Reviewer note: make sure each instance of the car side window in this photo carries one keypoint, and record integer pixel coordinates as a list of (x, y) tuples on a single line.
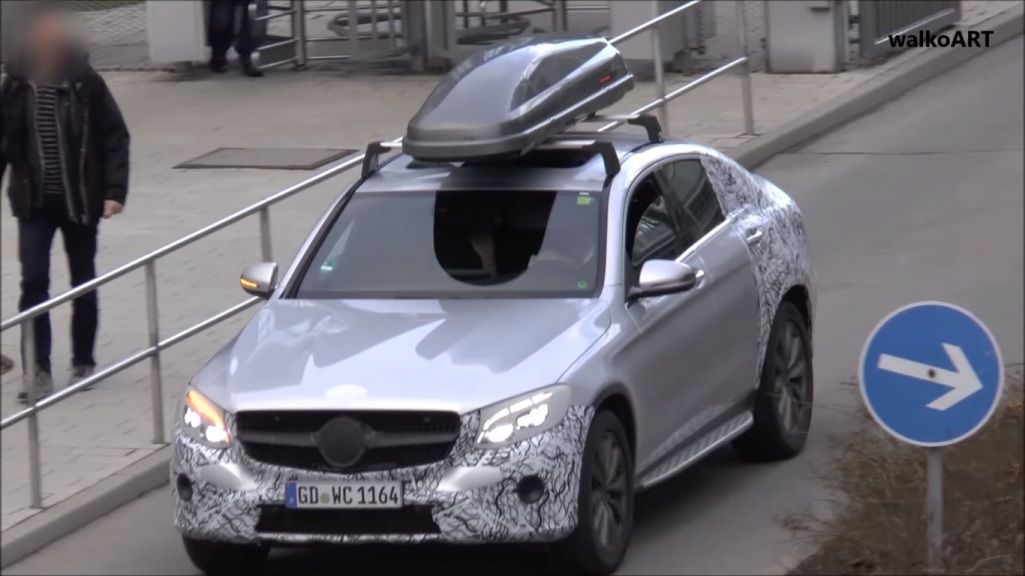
[(694, 201), (650, 230)]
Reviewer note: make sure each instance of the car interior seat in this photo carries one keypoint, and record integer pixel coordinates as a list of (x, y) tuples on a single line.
[(643, 197)]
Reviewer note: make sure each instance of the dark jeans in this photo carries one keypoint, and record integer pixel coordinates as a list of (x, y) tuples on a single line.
[(35, 240), (229, 21)]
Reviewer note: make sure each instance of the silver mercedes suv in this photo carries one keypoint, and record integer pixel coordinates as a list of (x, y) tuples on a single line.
[(502, 349)]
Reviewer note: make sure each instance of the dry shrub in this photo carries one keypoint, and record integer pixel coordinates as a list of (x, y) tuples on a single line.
[(878, 523)]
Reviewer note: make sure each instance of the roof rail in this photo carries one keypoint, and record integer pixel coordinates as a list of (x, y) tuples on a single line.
[(372, 157), (650, 123), (564, 141)]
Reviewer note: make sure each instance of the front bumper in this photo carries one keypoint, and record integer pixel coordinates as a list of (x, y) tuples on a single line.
[(471, 496)]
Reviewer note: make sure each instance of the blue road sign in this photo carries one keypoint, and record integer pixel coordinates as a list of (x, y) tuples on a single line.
[(931, 374)]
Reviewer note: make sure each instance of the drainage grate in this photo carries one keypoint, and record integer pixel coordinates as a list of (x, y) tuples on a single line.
[(268, 158)]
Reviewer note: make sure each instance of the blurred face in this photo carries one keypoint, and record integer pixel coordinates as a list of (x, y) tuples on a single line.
[(48, 36)]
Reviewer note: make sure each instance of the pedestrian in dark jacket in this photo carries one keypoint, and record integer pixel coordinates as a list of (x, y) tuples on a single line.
[(66, 144), (228, 21)]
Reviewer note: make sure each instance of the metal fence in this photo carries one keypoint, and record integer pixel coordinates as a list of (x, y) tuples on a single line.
[(878, 19), (365, 32), (388, 31), (116, 29)]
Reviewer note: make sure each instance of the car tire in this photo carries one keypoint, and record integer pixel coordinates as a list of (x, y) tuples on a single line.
[(787, 378), (224, 559), (600, 498)]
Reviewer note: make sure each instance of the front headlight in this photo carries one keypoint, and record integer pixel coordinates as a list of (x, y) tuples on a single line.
[(514, 420), (203, 421)]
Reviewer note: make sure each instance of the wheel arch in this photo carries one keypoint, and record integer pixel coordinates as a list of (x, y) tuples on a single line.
[(800, 297), (616, 399)]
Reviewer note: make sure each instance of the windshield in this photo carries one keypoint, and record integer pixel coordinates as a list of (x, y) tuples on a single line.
[(504, 244)]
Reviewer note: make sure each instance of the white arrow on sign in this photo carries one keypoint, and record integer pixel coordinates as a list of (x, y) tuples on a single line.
[(963, 380)]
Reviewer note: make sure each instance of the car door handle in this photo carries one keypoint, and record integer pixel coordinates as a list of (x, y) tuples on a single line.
[(754, 236)]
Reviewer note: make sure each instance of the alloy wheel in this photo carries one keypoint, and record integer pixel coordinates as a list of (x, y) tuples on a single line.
[(791, 376), (609, 492)]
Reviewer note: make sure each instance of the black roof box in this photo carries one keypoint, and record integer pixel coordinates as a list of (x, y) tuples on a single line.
[(510, 98)]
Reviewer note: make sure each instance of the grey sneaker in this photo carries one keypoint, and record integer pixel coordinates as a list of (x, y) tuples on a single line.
[(41, 388), (81, 372)]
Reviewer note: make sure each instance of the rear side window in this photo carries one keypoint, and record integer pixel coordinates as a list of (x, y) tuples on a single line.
[(696, 204)]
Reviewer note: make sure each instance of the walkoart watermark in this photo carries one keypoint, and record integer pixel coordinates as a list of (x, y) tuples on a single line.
[(926, 39)]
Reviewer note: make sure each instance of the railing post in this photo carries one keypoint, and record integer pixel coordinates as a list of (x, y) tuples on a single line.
[(559, 16), (265, 247), (35, 463), (656, 60), (745, 74), (299, 31), (352, 9), (156, 384)]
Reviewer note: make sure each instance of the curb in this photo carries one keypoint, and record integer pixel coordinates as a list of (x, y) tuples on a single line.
[(52, 524), (867, 97), (152, 472)]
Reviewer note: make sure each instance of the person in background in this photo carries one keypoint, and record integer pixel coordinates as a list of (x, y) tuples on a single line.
[(228, 21), (66, 144), (6, 364)]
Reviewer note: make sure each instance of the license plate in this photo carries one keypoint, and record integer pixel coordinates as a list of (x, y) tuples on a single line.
[(343, 495)]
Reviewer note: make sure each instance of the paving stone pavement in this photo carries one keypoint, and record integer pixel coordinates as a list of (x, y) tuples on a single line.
[(174, 118)]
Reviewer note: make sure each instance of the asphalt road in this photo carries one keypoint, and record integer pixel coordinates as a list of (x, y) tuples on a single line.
[(921, 200)]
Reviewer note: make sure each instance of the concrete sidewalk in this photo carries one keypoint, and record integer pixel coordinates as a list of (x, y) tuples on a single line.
[(100, 433)]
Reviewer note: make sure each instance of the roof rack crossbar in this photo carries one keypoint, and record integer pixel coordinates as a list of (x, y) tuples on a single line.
[(372, 157), (606, 149), (565, 141), (650, 123)]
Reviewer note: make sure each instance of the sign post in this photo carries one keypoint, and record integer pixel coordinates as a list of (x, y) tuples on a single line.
[(934, 510), (931, 375)]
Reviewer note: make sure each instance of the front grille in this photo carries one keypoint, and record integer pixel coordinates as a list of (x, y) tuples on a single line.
[(390, 421), (381, 459), (290, 438), (277, 519)]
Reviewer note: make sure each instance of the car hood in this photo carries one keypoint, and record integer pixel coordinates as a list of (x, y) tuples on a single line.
[(458, 355)]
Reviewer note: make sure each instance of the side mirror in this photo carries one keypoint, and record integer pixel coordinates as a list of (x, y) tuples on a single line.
[(259, 279), (662, 277)]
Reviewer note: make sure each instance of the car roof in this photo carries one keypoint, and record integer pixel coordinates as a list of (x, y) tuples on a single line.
[(540, 170)]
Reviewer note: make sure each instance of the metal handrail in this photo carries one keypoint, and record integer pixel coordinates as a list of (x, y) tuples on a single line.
[(24, 319), (653, 22), (148, 262), (260, 206), (676, 93)]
